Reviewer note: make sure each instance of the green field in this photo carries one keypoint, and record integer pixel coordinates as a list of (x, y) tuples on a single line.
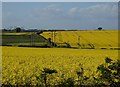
[(22, 39)]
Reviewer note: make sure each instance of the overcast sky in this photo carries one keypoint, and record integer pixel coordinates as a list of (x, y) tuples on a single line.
[(60, 15)]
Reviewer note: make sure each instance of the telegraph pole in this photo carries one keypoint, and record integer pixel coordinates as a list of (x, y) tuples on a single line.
[(54, 38), (32, 39), (78, 41)]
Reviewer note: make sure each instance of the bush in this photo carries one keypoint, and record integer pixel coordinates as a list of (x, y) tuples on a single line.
[(109, 73)]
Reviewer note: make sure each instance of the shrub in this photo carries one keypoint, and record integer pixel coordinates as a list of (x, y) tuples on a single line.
[(109, 73)]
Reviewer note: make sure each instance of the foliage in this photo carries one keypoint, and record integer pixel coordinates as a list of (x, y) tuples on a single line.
[(99, 28), (43, 77), (66, 83), (81, 77), (109, 73), (18, 29)]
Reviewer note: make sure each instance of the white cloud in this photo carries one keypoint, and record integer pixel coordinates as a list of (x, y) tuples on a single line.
[(50, 10), (96, 11), (73, 11), (57, 16), (105, 15)]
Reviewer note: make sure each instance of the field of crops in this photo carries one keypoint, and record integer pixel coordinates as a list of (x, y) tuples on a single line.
[(75, 38), (22, 38), (85, 39), (22, 65)]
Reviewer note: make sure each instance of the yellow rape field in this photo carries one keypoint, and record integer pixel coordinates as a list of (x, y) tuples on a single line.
[(20, 65), (85, 38)]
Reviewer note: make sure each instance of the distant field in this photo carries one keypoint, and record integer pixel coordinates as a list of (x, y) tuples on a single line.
[(86, 38), (78, 39), (22, 39), (21, 65)]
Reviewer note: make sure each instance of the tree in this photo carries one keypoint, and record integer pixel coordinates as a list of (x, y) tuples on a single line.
[(18, 29), (39, 32), (99, 28)]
